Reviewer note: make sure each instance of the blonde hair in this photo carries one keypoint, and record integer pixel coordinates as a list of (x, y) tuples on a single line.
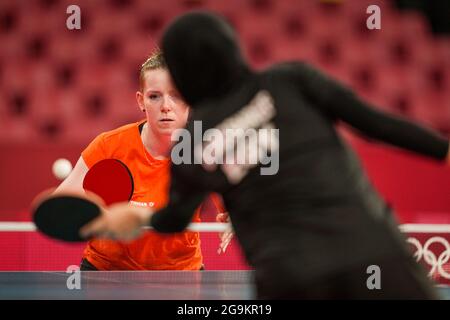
[(154, 61)]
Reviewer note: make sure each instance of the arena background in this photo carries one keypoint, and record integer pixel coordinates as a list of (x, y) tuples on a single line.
[(60, 88)]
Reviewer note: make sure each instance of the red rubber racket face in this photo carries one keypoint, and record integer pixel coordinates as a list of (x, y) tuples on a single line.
[(111, 180)]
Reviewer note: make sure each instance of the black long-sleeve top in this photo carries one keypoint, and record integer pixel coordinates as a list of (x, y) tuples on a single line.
[(319, 213)]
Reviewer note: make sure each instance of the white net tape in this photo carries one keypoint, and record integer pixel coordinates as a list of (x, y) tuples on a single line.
[(197, 227)]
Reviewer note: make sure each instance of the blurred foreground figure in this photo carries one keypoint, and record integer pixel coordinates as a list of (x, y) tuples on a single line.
[(312, 224)]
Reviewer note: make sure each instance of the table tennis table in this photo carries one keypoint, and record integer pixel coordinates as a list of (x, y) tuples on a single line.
[(128, 285), (134, 285)]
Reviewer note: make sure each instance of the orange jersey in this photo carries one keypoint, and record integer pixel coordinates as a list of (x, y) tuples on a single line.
[(152, 251)]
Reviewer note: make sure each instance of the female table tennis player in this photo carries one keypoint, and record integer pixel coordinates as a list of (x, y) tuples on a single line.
[(321, 224), (144, 147)]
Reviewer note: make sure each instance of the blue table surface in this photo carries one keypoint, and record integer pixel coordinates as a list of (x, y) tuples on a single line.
[(135, 285)]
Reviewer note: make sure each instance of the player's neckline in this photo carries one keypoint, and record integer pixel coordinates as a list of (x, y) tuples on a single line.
[(148, 156)]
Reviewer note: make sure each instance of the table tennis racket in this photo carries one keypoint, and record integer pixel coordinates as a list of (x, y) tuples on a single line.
[(62, 215), (111, 180)]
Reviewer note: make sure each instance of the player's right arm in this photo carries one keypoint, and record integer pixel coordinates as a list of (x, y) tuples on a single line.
[(93, 153), (74, 181)]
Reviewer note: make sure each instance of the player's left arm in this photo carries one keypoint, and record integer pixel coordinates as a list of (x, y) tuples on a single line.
[(184, 198), (340, 102), (177, 215)]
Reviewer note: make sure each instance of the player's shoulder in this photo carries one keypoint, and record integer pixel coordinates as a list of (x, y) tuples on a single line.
[(287, 66), (300, 72), (124, 130), (288, 69)]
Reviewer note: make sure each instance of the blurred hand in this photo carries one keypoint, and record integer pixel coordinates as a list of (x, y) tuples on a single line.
[(119, 222), (225, 237)]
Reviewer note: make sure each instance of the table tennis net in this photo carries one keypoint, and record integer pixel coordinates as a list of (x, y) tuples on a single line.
[(31, 251)]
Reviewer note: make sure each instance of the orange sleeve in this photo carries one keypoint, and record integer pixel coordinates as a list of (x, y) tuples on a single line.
[(95, 151)]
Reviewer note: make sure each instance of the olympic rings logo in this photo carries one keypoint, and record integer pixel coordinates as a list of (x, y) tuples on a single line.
[(437, 263)]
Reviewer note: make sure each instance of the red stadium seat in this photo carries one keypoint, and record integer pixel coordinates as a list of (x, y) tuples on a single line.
[(257, 37), (17, 131), (92, 73), (326, 24), (227, 6), (87, 132), (293, 25), (106, 21), (136, 48), (413, 25), (357, 8), (125, 108), (300, 49)]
